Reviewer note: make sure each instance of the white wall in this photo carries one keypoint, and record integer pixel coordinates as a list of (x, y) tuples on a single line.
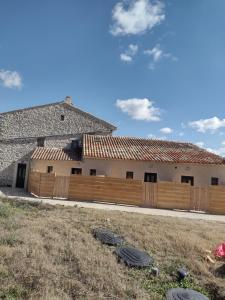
[(117, 168)]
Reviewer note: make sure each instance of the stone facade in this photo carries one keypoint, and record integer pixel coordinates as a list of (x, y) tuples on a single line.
[(57, 124)]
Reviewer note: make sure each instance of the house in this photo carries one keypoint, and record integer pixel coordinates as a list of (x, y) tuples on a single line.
[(57, 124), (134, 158)]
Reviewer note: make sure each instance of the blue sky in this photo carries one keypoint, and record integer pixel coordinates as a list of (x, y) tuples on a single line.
[(153, 68)]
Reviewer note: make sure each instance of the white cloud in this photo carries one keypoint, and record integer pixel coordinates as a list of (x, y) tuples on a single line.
[(151, 136), (220, 151), (125, 57), (157, 54), (136, 16), (223, 143), (139, 109), (154, 137), (166, 130), (204, 125), (10, 79), (200, 144), (129, 54), (132, 49)]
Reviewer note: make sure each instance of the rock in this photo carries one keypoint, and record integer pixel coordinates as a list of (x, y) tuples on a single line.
[(155, 271), (2, 195)]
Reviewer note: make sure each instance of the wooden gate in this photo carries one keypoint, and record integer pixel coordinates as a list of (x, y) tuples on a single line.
[(150, 194), (61, 187), (199, 198)]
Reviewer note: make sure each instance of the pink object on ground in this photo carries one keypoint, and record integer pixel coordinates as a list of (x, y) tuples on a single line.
[(220, 251)]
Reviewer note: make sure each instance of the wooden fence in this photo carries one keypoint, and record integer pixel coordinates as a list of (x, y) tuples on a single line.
[(105, 189), (173, 195), (168, 195)]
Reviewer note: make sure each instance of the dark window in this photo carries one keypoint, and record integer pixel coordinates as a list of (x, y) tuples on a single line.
[(76, 146), (214, 181), (92, 172), (62, 117), (129, 175), (76, 171), (187, 179), (40, 142), (150, 177), (49, 169)]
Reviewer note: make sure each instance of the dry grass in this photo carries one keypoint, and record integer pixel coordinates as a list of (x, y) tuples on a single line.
[(49, 253)]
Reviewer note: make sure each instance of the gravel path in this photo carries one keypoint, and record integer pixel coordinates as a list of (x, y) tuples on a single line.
[(21, 195)]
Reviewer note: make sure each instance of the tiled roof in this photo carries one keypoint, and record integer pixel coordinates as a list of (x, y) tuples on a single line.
[(109, 147), (53, 154)]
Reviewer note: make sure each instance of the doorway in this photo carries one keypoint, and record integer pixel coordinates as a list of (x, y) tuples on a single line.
[(21, 175)]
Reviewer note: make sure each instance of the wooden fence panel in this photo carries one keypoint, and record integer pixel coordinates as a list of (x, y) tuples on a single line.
[(104, 189), (34, 183), (216, 202), (199, 198), (150, 194), (47, 183), (173, 195), (80, 187), (61, 186)]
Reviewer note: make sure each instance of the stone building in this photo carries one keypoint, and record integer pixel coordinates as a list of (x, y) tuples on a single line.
[(57, 124)]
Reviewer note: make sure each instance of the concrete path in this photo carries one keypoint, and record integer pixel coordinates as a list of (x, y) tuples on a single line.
[(125, 208)]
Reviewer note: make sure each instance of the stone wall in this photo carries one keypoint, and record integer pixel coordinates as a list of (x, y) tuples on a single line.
[(16, 151), (58, 123), (12, 152), (47, 120)]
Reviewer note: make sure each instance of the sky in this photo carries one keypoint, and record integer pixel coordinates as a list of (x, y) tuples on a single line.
[(154, 69)]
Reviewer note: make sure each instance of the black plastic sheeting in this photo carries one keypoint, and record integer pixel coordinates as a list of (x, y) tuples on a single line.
[(184, 294), (133, 257), (220, 271), (107, 237), (182, 273)]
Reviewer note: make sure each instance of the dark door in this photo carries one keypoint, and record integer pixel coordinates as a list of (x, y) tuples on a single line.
[(21, 174), (187, 179), (150, 177)]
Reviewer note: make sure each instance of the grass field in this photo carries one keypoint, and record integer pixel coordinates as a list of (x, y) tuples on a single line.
[(48, 252)]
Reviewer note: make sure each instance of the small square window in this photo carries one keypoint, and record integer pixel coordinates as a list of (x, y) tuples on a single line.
[(40, 142), (129, 175), (187, 179), (62, 117), (214, 181), (50, 169), (92, 172), (76, 171)]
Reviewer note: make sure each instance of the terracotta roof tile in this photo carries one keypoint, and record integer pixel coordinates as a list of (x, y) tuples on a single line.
[(146, 150), (53, 154)]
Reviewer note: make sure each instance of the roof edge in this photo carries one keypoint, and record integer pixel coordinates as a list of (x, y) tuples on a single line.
[(31, 107), (112, 127)]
